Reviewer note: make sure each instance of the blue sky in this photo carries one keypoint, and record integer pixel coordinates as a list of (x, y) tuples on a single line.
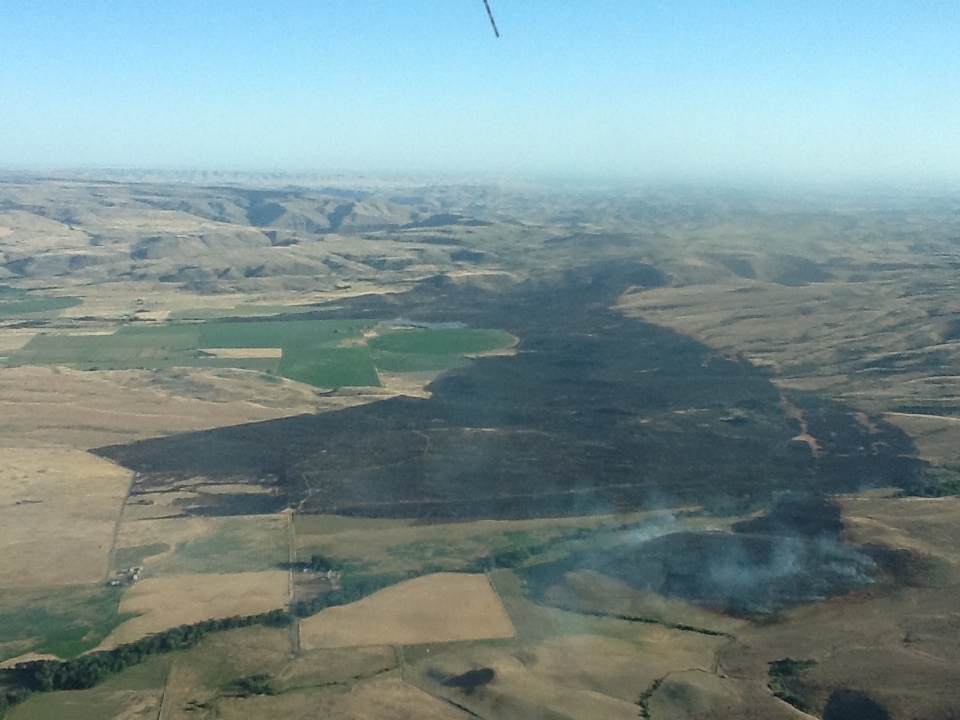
[(828, 90)]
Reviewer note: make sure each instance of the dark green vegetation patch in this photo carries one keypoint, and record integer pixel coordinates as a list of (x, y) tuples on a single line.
[(938, 482), (784, 682)]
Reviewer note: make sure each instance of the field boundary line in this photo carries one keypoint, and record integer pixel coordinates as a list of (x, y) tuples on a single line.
[(163, 692), (292, 557), (111, 556), (503, 608)]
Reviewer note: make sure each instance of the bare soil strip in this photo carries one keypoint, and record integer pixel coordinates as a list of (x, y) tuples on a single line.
[(251, 352)]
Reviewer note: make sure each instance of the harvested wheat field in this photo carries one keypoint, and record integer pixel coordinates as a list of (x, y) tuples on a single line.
[(84, 409), (163, 603), (445, 607), (60, 508)]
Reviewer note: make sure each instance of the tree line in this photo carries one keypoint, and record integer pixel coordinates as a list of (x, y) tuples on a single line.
[(38, 676)]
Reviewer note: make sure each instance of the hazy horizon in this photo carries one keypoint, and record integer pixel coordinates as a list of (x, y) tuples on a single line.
[(818, 92)]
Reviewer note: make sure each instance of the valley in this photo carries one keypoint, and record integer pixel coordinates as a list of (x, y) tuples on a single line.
[(476, 451)]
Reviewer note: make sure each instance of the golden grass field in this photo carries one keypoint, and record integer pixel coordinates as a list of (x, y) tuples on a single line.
[(928, 526), (695, 695), (166, 602), (597, 669), (89, 409), (60, 508), (937, 438), (385, 698), (444, 607), (803, 334), (45, 231)]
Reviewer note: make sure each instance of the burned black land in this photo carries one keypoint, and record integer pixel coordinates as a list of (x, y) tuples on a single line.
[(596, 412)]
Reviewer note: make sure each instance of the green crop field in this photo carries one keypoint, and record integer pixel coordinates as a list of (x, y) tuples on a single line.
[(170, 335), (446, 341), (309, 349), (401, 362), (323, 353), (433, 350), (13, 304), (63, 621), (112, 352), (279, 333), (118, 351), (330, 367)]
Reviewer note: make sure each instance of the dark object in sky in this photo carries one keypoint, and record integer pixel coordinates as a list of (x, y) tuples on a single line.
[(490, 15)]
